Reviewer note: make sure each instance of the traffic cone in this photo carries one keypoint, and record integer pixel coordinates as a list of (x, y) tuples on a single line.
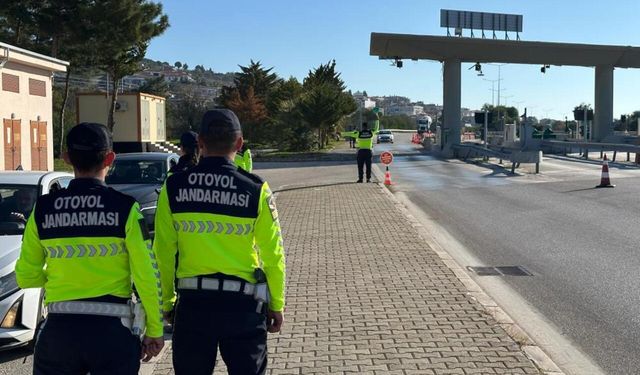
[(604, 180), (387, 177)]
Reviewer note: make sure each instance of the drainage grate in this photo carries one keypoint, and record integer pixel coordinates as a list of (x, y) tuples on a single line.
[(500, 271)]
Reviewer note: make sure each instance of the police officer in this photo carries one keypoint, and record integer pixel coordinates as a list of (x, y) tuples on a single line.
[(243, 158), (213, 215), (85, 244), (364, 140), (190, 154)]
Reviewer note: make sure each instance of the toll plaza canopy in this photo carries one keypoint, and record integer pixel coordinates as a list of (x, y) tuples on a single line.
[(452, 51), (442, 48)]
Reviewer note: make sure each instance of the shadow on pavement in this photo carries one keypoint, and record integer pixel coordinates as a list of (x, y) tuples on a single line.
[(13, 354), (257, 165), (311, 186)]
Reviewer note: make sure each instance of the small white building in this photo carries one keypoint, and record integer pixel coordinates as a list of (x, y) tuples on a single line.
[(26, 106), (362, 101), (139, 119)]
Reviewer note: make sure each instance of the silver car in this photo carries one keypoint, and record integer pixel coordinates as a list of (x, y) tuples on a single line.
[(20, 309), (385, 136), (141, 175)]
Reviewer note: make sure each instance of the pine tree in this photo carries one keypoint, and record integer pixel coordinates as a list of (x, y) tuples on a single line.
[(122, 30)]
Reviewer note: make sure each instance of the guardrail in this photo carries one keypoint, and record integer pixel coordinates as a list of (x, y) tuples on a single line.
[(516, 157), (585, 147)]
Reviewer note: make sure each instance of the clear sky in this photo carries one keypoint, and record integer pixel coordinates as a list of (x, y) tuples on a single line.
[(294, 36)]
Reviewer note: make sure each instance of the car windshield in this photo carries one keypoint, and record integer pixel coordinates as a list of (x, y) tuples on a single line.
[(16, 203), (385, 132), (137, 172)]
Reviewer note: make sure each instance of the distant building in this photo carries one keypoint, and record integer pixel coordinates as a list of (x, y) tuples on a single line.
[(139, 119), (26, 108), (432, 108), (363, 101), (407, 110), (209, 92), (172, 75)]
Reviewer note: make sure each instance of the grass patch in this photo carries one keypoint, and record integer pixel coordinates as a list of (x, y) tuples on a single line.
[(60, 166)]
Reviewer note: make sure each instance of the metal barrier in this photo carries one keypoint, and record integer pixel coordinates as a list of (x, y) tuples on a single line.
[(585, 147), (516, 157)]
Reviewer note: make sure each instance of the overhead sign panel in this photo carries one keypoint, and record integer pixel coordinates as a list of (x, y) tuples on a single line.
[(480, 21)]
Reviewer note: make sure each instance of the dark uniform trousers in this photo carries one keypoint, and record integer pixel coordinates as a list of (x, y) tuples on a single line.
[(73, 344), (207, 320), (364, 158)]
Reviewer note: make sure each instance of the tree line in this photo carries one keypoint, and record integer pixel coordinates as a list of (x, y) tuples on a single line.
[(275, 112)]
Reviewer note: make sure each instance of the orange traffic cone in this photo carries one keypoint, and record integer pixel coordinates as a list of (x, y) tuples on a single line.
[(387, 177), (604, 180)]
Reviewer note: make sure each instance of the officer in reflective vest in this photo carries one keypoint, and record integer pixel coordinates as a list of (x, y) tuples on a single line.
[(223, 223), (85, 244), (243, 158), (364, 142), (190, 154)]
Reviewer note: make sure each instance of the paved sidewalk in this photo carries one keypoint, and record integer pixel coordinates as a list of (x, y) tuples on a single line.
[(366, 295)]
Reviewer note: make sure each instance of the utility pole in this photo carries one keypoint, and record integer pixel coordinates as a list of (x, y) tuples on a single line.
[(486, 129), (493, 89), (499, 80)]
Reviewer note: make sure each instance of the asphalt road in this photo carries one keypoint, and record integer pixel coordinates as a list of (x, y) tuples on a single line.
[(16, 362), (580, 243)]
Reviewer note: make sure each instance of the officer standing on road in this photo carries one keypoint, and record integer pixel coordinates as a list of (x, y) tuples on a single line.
[(212, 216), (364, 140), (85, 244), (190, 154), (243, 158)]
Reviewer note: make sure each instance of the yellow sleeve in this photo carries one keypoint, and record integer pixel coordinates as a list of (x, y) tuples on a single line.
[(248, 161), (30, 271), (352, 134), (166, 247), (144, 270), (271, 248)]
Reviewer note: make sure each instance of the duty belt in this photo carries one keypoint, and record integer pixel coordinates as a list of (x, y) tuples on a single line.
[(216, 284), (91, 308)]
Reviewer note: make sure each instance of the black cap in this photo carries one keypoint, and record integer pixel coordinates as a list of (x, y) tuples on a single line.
[(88, 136), (189, 139), (220, 118)]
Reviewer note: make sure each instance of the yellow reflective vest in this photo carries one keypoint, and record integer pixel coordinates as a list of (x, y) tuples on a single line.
[(90, 241), (218, 219), (364, 138), (243, 160)]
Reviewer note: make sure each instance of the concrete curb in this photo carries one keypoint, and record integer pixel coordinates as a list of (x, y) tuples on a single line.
[(540, 359)]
